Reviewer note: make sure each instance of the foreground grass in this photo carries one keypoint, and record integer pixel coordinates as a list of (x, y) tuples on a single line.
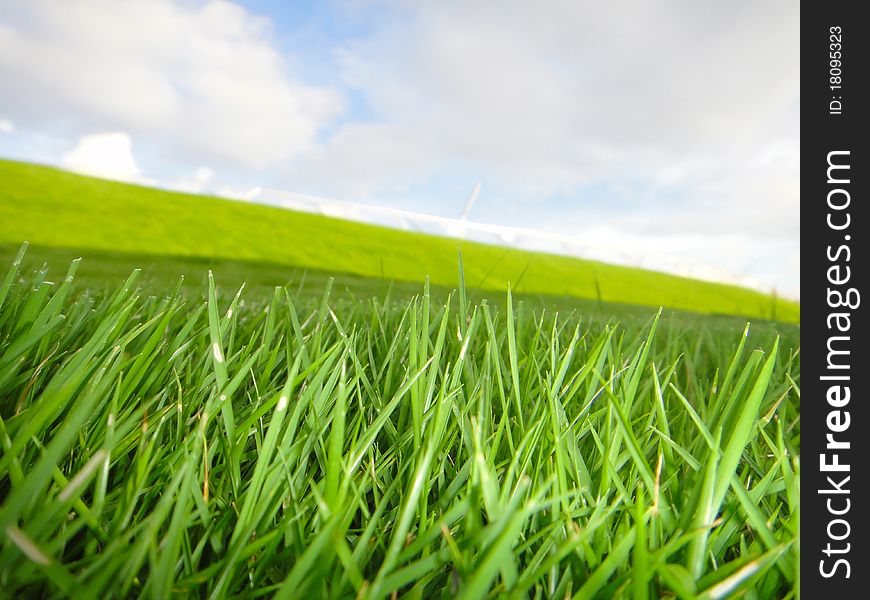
[(52, 208), (213, 444)]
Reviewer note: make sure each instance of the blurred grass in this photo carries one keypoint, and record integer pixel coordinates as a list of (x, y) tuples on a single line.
[(55, 209), (102, 272)]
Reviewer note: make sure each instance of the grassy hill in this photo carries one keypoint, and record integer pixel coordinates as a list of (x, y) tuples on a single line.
[(52, 208)]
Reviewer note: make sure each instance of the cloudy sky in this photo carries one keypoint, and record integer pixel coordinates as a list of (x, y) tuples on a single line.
[(670, 128)]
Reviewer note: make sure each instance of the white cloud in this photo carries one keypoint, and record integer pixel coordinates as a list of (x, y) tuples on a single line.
[(196, 184), (200, 80), (6, 126), (548, 98), (107, 155)]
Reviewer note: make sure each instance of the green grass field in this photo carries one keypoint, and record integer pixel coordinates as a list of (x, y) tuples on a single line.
[(53, 209), (168, 440), (283, 405)]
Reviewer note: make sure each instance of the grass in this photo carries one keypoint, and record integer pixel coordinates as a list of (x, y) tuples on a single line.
[(90, 215), (207, 442)]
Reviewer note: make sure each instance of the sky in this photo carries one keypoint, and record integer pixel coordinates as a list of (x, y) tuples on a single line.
[(667, 128)]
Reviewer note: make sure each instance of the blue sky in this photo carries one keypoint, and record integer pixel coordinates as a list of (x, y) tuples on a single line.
[(668, 129)]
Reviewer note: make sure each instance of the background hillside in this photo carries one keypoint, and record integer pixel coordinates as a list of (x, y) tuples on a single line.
[(61, 213)]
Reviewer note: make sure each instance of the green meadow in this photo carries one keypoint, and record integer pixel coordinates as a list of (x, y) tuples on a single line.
[(53, 209), (224, 400), (217, 444)]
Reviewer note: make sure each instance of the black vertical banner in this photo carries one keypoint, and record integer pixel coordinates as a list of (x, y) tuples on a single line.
[(835, 424)]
